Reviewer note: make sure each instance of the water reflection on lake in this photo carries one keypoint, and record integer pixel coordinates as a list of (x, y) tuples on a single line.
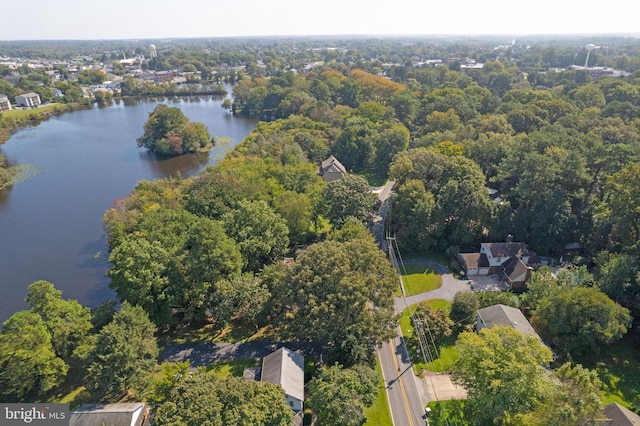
[(51, 224)]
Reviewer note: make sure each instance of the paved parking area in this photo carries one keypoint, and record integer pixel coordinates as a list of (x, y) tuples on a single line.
[(486, 283), (440, 387)]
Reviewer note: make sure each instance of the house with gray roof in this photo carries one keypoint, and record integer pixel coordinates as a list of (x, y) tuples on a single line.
[(513, 261), (617, 415), (121, 414), (331, 169), (286, 368), (502, 315)]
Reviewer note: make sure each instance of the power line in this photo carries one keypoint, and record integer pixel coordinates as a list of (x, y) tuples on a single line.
[(426, 342)]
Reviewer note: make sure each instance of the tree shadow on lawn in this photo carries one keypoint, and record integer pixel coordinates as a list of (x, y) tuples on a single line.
[(618, 366)]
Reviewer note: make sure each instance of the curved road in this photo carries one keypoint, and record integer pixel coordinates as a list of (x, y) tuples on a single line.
[(450, 286)]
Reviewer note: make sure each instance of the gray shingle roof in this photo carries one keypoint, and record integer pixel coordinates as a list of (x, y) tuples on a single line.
[(130, 414), (508, 249), (332, 164), (621, 416), (285, 368), (505, 316)]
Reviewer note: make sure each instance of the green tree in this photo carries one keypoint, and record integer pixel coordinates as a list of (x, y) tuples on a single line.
[(261, 234), (618, 275), (388, 143), (140, 276), (173, 373), (125, 354), (503, 373), (580, 319), (339, 294), (464, 309), (355, 146), (239, 298), (28, 363), (68, 322), (622, 207), (89, 77), (338, 396), (203, 399), (169, 132), (574, 400), (437, 323), (296, 209), (348, 197)]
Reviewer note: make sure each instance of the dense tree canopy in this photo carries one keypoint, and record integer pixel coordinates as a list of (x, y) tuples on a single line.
[(203, 399), (126, 352), (28, 363), (339, 293), (338, 396), (579, 319), (503, 373), (169, 132)]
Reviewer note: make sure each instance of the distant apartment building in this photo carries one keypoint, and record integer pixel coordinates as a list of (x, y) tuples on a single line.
[(28, 100), (5, 105)]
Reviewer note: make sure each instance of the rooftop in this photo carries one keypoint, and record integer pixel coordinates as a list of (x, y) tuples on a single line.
[(506, 316), (285, 368)]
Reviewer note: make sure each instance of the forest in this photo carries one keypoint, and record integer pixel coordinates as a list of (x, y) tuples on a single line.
[(559, 151)]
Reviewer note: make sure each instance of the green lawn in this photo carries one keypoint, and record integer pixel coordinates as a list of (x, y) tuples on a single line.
[(448, 354), (234, 367), (237, 331), (375, 180), (618, 366), (419, 279), (24, 113), (379, 414)]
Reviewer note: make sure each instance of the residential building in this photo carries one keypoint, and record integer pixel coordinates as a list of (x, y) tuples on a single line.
[(286, 368), (121, 414), (28, 100), (513, 261), (331, 169), (502, 315), (5, 105), (617, 415)]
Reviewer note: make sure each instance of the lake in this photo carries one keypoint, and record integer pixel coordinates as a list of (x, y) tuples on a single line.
[(51, 223)]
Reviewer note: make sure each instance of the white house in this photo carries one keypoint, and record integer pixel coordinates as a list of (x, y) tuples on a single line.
[(512, 260), (5, 105), (120, 414), (28, 100), (286, 368)]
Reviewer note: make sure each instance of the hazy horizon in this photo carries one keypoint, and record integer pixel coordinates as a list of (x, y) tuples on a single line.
[(41, 20)]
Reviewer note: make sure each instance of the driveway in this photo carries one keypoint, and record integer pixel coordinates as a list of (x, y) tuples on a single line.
[(440, 387), (450, 286)]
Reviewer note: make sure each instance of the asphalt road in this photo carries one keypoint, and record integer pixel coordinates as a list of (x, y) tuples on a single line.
[(407, 409)]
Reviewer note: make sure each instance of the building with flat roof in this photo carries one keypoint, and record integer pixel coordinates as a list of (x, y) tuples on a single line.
[(5, 105), (28, 100)]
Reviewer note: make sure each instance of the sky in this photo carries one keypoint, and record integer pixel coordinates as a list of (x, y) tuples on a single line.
[(153, 19)]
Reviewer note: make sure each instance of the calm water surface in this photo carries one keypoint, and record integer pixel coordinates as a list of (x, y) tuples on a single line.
[(51, 224)]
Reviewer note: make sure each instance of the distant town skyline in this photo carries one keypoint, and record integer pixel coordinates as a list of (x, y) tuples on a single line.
[(157, 19)]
